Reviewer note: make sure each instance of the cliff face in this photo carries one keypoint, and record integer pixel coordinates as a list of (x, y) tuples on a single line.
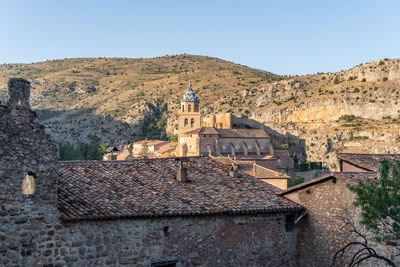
[(353, 110)]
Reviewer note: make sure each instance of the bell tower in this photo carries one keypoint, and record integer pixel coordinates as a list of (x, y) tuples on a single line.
[(189, 112), (188, 120)]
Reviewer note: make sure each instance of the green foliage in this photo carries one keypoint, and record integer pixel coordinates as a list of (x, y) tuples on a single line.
[(336, 80), (155, 129), (295, 181), (364, 80), (309, 165), (284, 145), (379, 201), (92, 151), (173, 138), (384, 79), (144, 152), (347, 117), (130, 148)]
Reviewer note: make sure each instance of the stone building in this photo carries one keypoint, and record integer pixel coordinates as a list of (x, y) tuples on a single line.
[(143, 148), (148, 212), (214, 135), (325, 199)]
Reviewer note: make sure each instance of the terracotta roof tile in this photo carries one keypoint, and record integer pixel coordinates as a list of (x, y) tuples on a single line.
[(148, 188), (352, 177), (367, 161)]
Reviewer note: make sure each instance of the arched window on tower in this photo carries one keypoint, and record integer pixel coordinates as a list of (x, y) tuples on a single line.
[(183, 108), (191, 123), (186, 122), (196, 107), (189, 108), (29, 184)]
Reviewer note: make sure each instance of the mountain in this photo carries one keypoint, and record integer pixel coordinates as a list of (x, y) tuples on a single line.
[(117, 98)]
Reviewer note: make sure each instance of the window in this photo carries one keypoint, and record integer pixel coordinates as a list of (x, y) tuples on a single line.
[(191, 147), (189, 108), (186, 122), (192, 123), (29, 184), (196, 107), (183, 108), (208, 148)]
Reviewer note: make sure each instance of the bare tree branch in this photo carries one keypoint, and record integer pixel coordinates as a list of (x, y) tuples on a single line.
[(363, 250)]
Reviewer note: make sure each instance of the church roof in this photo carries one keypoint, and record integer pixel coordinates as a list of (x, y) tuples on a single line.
[(231, 133), (93, 190), (243, 133), (370, 162), (190, 96)]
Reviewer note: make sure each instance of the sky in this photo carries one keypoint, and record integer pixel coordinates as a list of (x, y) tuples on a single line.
[(287, 37)]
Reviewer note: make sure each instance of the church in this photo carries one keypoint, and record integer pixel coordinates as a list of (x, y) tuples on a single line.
[(216, 135)]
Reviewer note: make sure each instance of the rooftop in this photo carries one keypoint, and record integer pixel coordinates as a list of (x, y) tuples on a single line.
[(190, 96), (91, 190), (367, 161), (231, 133), (352, 177)]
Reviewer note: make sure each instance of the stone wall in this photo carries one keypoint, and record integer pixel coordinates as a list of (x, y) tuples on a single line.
[(25, 149), (205, 241), (320, 234), (220, 121)]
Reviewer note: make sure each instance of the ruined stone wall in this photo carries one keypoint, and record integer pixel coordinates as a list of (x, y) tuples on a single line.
[(26, 221), (320, 234)]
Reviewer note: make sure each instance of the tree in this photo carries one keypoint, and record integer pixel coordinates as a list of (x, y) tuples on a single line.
[(360, 246), (336, 80), (379, 201), (144, 152)]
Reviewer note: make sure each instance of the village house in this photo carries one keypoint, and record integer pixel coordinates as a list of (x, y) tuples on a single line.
[(140, 149), (145, 212), (325, 199)]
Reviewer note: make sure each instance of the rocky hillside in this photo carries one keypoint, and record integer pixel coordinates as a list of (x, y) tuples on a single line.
[(115, 98)]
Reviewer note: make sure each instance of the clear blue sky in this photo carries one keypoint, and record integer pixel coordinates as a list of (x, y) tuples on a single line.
[(281, 36)]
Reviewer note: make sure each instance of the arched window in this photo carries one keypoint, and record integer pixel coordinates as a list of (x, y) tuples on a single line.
[(29, 184), (183, 108), (189, 108), (191, 123), (186, 122), (196, 107)]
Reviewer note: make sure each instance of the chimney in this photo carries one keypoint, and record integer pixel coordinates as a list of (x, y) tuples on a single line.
[(18, 92), (181, 174), (234, 171)]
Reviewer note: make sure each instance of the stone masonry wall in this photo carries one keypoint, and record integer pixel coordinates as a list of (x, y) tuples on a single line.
[(320, 234), (33, 234), (25, 148), (191, 241)]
